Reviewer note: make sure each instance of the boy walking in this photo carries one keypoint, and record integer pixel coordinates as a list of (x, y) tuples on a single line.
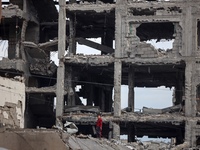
[(99, 126)]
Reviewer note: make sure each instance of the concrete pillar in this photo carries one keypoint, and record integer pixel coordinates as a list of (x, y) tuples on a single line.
[(61, 67), (62, 29), (189, 32), (117, 88), (116, 131), (118, 63), (23, 33), (131, 133), (109, 100), (90, 91), (91, 95), (110, 133), (190, 89), (21, 52), (71, 101), (120, 1), (198, 33), (25, 9), (190, 135), (60, 89), (107, 39), (72, 34), (131, 93), (102, 100), (12, 41), (179, 137)]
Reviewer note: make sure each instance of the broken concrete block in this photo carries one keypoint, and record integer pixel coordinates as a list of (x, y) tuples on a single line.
[(172, 109), (146, 110), (5, 115), (70, 127), (160, 111)]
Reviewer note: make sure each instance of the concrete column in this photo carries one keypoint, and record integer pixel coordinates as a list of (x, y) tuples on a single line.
[(179, 137), (90, 91), (131, 133), (70, 87), (91, 95), (72, 41), (117, 88), (110, 100), (12, 41), (120, 1), (23, 33), (21, 52), (190, 89), (189, 32), (131, 93), (198, 33), (110, 134), (116, 131), (118, 63), (190, 135), (61, 29), (102, 100), (107, 39), (25, 5), (60, 89), (61, 67)]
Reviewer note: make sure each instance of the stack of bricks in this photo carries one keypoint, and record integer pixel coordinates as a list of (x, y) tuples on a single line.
[(141, 49), (132, 46), (147, 50)]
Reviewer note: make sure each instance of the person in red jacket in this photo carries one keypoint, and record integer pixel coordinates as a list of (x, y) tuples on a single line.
[(99, 126)]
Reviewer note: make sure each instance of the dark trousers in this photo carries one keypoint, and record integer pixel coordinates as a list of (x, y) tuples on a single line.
[(98, 132)]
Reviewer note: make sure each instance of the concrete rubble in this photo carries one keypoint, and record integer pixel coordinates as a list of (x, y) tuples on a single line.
[(57, 139), (42, 67), (176, 108), (70, 127)]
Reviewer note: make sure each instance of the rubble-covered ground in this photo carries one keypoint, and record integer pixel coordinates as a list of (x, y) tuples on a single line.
[(51, 139)]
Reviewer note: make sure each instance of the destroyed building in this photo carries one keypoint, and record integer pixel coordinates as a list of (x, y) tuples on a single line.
[(35, 28)]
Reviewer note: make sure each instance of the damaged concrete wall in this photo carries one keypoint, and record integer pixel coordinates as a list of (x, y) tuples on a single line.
[(12, 103), (53, 140)]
